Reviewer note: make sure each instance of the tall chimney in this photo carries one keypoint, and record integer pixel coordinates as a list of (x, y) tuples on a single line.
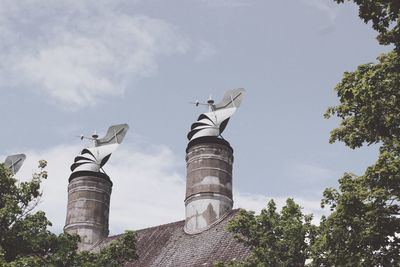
[(88, 207), (209, 160), (89, 188), (209, 183)]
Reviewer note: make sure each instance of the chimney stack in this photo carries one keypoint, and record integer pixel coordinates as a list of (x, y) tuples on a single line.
[(209, 160), (89, 188), (88, 207), (209, 183)]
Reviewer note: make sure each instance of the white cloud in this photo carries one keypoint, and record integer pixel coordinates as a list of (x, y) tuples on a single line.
[(148, 186), (147, 190), (80, 53)]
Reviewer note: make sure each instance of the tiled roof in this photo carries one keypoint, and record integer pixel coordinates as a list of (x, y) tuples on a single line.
[(168, 245)]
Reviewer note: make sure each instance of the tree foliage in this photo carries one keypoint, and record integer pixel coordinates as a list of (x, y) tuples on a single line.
[(26, 241), (369, 104), (363, 228), (275, 239), (384, 16), (118, 252)]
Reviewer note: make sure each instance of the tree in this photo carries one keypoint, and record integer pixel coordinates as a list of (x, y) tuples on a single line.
[(26, 241), (363, 228), (275, 239), (384, 15)]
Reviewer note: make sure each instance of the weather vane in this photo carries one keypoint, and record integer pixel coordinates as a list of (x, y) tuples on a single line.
[(94, 157), (14, 162), (213, 122)]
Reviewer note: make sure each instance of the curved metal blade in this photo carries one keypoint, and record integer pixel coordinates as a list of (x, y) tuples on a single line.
[(232, 98), (115, 134), (14, 162)]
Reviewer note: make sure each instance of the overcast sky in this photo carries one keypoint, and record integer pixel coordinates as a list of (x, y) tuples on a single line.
[(71, 67)]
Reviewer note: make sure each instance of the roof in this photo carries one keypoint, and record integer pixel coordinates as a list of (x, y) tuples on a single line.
[(168, 245)]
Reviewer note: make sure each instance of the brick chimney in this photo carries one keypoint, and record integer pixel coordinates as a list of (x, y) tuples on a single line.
[(88, 207), (209, 183)]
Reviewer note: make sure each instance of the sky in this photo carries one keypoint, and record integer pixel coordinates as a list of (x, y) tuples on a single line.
[(74, 67)]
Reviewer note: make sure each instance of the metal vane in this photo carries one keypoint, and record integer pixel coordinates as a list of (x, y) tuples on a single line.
[(213, 122), (94, 157), (14, 162)]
